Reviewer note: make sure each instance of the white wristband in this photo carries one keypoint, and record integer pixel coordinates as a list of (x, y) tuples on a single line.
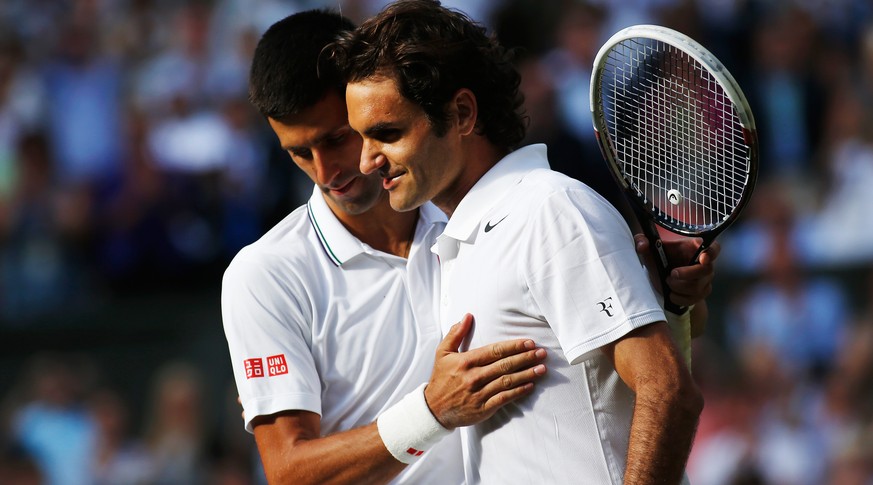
[(408, 428)]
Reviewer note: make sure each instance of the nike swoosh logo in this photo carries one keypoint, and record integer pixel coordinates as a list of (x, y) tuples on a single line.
[(489, 226)]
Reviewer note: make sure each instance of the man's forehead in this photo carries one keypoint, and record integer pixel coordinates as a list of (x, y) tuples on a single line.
[(376, 98), (313, 124), (306, 136)]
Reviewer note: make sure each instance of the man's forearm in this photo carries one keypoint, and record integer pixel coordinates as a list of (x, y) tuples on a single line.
[(354, 456), (661, 435)]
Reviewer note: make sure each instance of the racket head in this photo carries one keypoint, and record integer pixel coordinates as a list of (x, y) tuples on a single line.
[(675, 129)]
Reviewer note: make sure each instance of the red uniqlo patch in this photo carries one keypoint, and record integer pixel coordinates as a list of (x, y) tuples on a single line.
[(414, 452), (276, 365), (254, 368)]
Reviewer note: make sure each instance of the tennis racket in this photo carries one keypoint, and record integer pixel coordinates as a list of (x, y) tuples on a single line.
[(679, 138)]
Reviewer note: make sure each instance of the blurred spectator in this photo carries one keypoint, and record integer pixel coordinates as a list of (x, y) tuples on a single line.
[(176, 426), (138, 31), (44, 231), (84, 100), (839, 231), (784, 94), (20, 108), (53, 425), (18, 468), (180, 68), (243, 180), (132, 236), (802, 319), (771, 216), (191, 148), (865, 64), (119, 459), (726, 443), (790, 446), (579, 34), (234, 453)]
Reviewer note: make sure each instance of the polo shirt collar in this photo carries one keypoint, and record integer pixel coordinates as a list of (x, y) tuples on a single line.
[(488, 190), (430, 214), (338, 243)]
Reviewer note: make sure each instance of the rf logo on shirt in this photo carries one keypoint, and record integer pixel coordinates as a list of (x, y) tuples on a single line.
[(606, 306)]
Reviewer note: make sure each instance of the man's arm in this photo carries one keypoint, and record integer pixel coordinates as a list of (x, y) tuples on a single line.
[(465, 388), (667, 406), (293, 451)]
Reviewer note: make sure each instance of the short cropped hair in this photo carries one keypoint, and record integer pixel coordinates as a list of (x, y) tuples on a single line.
[(432, 52), (285, 78)]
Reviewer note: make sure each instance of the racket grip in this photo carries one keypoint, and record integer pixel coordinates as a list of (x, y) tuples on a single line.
[(680, 328), (663, 270)]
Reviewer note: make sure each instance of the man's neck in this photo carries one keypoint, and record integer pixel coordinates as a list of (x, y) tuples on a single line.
[(480, 156), (383, 228)]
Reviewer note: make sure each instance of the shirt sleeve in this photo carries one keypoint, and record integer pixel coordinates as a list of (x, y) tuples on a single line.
[(584, 273), (266, 316)]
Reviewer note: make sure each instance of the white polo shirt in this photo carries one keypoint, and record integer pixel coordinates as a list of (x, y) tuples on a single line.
[(533, 253), (316, 320)]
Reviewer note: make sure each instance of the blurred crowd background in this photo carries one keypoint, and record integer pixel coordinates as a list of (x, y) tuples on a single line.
[(132, 168)]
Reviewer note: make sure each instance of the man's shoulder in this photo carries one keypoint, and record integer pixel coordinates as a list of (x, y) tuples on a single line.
[(545, 184), (554, 180), (546, 195), (291, 241)]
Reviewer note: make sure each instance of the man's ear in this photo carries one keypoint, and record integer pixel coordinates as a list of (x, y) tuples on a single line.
[(466, 111)]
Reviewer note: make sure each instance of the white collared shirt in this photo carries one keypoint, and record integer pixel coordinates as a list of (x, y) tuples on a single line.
[(317, 320), (533, 253)]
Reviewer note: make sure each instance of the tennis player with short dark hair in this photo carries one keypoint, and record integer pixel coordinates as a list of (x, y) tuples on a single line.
[(527, 250), (328, 316)]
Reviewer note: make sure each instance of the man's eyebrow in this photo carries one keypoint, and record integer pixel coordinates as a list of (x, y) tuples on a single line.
[(378, 128), (319, 139)]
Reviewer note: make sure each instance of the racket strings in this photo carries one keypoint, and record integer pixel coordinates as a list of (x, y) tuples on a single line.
[(677, 136)]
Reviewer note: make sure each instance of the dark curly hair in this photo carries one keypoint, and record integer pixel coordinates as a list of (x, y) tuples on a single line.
[(284, 78), (432, 52)]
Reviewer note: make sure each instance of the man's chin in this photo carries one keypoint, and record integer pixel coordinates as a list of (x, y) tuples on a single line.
[(403, 204)]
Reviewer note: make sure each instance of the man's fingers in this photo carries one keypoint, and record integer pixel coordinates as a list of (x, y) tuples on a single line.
[(503, 398), (491, 353), (711, 253), (514, 363), (511, 372), (704, 270), (510, 387), (456, 335), (690, 285), (681, 251), (641, 243)]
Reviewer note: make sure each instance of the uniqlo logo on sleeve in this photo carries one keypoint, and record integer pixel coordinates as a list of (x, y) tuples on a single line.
[(254, 368), (276, 365)]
